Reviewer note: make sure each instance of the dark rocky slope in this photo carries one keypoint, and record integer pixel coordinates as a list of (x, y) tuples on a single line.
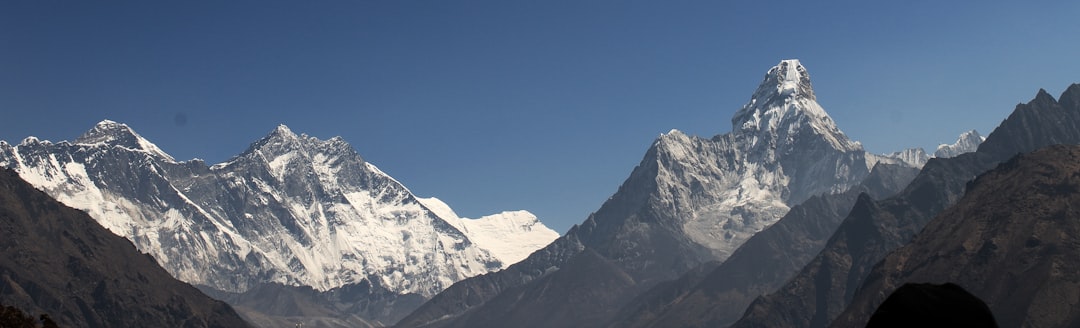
[(58, 260), (1011, 241)]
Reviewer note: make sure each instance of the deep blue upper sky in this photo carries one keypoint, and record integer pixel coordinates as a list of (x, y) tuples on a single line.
[(498, 105)]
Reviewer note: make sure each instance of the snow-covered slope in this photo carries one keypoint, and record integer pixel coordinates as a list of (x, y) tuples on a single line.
[(510, 236), (913, 157), (292, 209), (783, 149), (966, 143)]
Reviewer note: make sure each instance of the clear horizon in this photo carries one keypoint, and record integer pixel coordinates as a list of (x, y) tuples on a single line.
[(495, 105)]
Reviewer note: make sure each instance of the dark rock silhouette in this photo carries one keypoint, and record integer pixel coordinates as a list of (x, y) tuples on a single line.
[(930, 305)]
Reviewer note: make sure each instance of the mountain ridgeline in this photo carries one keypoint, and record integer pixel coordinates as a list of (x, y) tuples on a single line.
[(782, 222), (291, 211), (720, 294), (690, 201), (827, 285), (1010, 241)]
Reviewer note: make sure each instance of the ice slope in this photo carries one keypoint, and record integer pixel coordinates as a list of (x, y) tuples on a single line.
[(510, 236)]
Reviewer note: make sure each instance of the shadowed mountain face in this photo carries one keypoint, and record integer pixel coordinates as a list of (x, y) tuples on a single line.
[(57, 260), (690, 201), (717, 297), (822, 289), (1011, 240)]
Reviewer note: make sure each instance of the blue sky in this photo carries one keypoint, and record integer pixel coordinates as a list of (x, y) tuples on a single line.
[(499, 105)]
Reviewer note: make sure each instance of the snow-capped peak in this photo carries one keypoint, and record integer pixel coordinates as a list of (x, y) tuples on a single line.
[(913, 157), (283, 130), (111, 133), (790, 79), (783, 105), (510, 236), (967, 142)]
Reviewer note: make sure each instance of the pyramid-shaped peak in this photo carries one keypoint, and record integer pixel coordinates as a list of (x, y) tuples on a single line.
[(1044, 98), (283, 140), (786, 79), (106, 131), (783, 104), (283, 129), (113, 133)]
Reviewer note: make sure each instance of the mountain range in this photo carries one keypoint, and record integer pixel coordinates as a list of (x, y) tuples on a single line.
[(873, 229), (291, 211), (782, 222), (61, 263), (688, 205), (1010, 241)]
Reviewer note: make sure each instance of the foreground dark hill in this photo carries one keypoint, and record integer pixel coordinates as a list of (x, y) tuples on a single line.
[(57, 260), (1011, 241), (932, 305), (823, 288), (705, 298)]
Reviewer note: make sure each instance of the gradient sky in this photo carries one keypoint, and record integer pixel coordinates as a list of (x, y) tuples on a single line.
[(498, 105)]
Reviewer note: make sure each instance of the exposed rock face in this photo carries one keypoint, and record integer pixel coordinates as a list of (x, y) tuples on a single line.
[(690, 201), (719, 296), (1011, 241), (57, 260), (822, 289), (1039, 123)]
